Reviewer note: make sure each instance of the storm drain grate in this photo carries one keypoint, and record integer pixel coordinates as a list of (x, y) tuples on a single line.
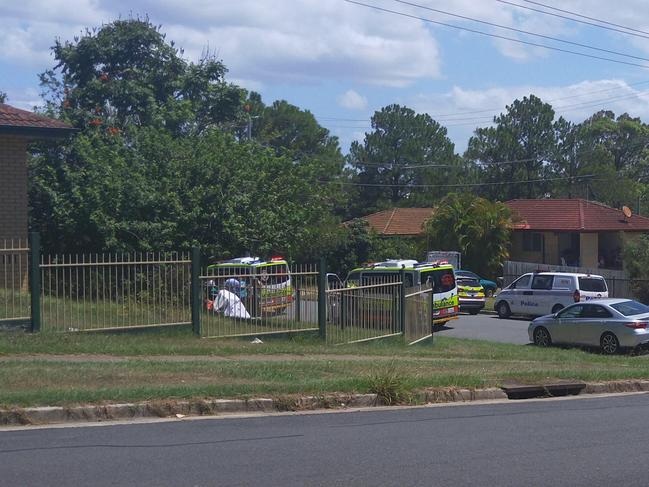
[(556, 389)]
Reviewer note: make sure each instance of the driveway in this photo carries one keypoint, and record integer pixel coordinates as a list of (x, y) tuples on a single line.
[(488, 327)]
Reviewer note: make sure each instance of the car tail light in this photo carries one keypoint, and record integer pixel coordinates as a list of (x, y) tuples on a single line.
[(636, 325), (576, 296)]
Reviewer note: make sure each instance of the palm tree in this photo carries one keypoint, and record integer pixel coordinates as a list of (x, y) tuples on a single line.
[(476, 227)]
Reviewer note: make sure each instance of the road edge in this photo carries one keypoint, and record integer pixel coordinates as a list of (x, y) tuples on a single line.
[(215, 407)]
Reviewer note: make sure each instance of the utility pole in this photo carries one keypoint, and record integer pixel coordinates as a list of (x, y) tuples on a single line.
[(247, 108)]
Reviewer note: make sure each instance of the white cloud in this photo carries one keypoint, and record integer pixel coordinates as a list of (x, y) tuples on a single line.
[(285, 41), (462, 111), (352, 100), (306, 41)]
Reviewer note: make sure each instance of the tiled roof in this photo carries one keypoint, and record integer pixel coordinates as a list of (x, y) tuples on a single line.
[(11, 117), (399, 221), (576, 215)]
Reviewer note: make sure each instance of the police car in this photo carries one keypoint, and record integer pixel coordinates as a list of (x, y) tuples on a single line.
[(544, 293)]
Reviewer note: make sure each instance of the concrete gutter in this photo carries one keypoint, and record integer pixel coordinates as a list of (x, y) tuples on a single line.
[(211, 407)]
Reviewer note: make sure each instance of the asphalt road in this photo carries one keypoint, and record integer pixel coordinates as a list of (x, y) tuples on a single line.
[(579, 442), (488, 327)]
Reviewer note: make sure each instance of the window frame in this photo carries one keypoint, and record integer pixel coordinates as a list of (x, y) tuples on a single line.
[(514, 284), (560, 314), (542, 276)]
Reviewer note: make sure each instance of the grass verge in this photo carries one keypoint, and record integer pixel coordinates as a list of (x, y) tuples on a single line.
[(67, 369)]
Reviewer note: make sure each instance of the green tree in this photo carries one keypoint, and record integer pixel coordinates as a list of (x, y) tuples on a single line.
[(163, 192), (397, 155), (158, 162), (478, 228), (296, 134), (616, 151), (125, 74), (516, 149), (636, 261), (3, 97)]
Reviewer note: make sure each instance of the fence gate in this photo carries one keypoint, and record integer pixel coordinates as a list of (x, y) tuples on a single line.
[(367, 312), (114, 291), (14, 290), (419, 314), (239, 301)]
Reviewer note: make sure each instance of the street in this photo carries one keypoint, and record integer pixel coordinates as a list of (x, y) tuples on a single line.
[(572, 442), (489, 327)]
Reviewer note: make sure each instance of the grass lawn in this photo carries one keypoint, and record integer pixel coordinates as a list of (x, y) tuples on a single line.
[(65, 369)]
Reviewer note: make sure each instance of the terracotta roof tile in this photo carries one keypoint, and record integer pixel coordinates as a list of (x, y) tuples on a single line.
[(15, 117), (399, 221), (575, 215)]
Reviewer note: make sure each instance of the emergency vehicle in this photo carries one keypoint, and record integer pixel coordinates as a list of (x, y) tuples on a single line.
[(266, 285), (416, 275)]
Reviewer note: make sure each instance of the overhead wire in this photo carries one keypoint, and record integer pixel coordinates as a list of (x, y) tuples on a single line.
[(485, 110), (458, 185), (521, 31), (587, 17), (489, 119), (496, 36)]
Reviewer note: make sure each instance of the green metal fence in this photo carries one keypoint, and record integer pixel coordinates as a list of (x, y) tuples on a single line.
[(114, 291), (14, 291), (235, 303), (84, 292), (367, 312), (418, 315)]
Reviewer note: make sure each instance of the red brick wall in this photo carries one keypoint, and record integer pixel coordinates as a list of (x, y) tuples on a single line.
[(13, 187)]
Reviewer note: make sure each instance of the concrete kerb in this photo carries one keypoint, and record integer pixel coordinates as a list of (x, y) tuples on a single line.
[(207, 407)]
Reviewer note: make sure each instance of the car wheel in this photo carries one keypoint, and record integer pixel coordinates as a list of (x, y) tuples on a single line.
[(609, 343), (503, 310), (474, 311), (542, 337), (556, 308)]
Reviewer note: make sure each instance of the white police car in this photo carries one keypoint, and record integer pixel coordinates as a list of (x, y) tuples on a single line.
[(544, 293)]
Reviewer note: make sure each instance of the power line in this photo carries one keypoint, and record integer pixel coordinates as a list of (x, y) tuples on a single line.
[(521, 31), (463, 185), (573, 19), (417, 165), (485, 110), (586, 17), (497, 36), (489, 119)]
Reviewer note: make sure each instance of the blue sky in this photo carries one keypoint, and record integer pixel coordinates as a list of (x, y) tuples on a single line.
[(344, 61)]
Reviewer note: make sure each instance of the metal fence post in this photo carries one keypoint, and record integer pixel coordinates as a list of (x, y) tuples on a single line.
[(432, 312), (322, 298), (298, 302), (196, 290), (35, 280), (402, 300)]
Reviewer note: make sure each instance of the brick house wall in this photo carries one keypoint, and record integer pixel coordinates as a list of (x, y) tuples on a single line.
[(13, 187), (13, 211)]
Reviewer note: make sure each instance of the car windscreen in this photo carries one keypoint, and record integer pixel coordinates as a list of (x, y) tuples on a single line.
[(467, 282), (443, 279), (377, 277), (592, 284), (354, 277), (229, 271), (630, 308)]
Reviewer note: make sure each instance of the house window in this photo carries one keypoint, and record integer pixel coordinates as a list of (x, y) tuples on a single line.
[(532, 242)]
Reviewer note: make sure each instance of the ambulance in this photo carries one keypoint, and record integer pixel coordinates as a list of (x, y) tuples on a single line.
[(265, 285), (417, 275)]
